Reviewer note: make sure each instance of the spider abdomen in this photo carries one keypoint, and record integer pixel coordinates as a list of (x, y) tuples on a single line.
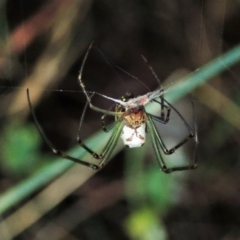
[(134, 137)]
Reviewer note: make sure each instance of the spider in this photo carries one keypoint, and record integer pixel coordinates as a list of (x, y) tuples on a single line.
[(132, 122)]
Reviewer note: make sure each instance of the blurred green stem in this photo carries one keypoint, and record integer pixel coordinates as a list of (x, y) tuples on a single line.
[(55, 168)]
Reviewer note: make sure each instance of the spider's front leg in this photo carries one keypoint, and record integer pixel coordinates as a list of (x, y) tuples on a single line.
[(88, 94)]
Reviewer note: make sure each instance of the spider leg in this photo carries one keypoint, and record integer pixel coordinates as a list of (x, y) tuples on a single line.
[(157, 141), (191, 135), (104, 127), (84, 88), (162, 118), (159, 145), (156, 145), (163, 106), (109, 147), (49, 143), (159, 82), (80, 74), (162, 115), (79, 140), (106, 152), (111, 144)]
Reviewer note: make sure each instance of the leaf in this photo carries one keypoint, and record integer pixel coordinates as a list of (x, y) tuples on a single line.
[(20, 148)]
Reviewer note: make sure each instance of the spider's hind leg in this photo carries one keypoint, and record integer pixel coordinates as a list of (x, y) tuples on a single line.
[(104, 127), (194, 163), (51, 146), (79, 140), (111, 143), (159, 145), (192, 133)]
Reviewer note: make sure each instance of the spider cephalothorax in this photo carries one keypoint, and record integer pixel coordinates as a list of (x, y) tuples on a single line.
[(132, 117)]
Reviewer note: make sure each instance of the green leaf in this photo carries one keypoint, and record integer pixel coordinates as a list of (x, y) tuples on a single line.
[(144, 224), (20, 148)]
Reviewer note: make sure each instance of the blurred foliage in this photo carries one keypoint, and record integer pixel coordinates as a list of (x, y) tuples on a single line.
[(144, 224), (149, 193), (144, 184), (20, 149)]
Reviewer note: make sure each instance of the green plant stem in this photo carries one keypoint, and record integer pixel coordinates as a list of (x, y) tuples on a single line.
[(204, 74), (58, 166)]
